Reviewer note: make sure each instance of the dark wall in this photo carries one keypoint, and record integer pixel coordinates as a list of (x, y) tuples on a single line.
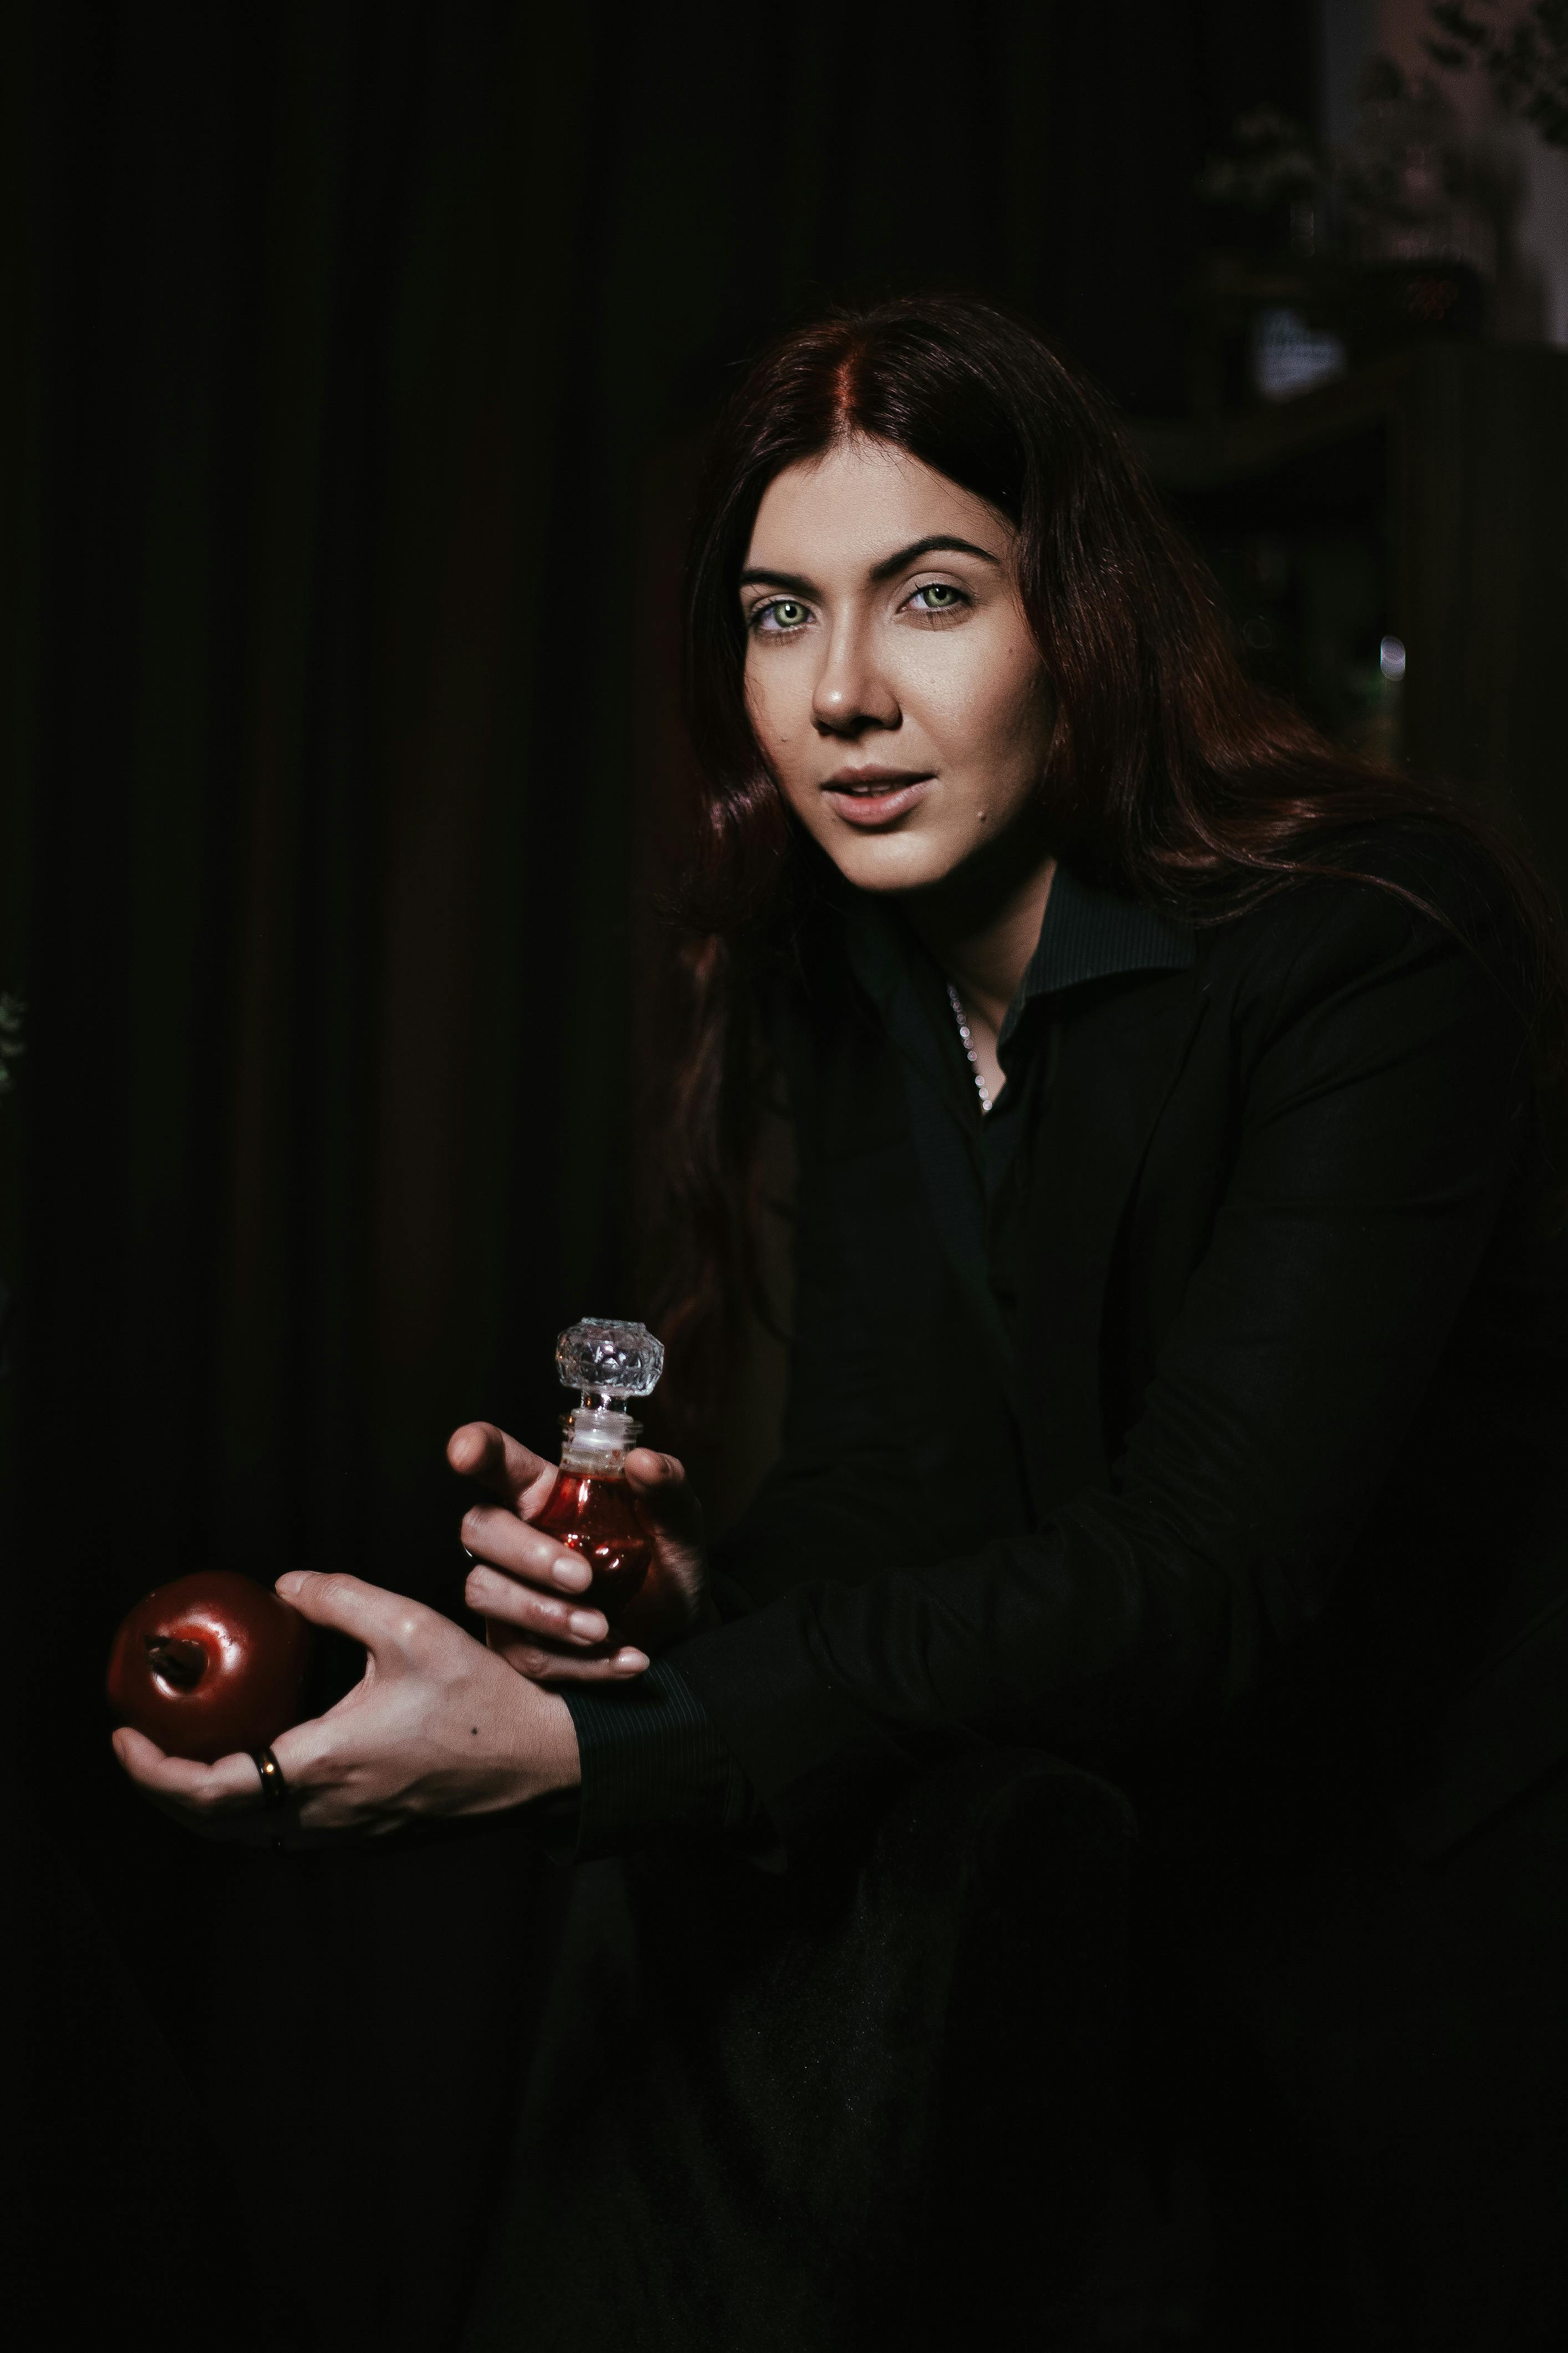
[(346, 346)]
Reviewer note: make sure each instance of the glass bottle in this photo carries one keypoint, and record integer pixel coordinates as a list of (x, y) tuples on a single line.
[(591, 1507)]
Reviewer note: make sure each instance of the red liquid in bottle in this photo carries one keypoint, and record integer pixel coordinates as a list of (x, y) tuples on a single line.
[(598, 1518)]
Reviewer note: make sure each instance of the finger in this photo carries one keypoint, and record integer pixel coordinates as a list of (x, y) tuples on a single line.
[(219, 1799), (479, 1450), (490, 1594), (388, 1624), (504, 1541), (664, 1496), (543, 1665)]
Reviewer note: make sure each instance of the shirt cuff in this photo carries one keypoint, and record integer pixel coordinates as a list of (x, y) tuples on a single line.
[(654, 1765)]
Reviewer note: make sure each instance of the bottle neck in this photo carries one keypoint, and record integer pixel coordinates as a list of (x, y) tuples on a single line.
[(595, 1439)]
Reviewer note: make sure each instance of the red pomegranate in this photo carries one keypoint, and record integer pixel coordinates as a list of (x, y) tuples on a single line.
[(209, 1664)]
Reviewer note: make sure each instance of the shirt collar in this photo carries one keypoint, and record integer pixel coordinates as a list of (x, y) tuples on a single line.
[(1088, 934), (1091, 933)]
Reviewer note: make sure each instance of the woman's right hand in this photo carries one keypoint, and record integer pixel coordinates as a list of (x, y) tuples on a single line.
[(528, 1588)]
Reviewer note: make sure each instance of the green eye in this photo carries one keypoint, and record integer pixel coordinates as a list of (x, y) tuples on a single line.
[(781, 617), (939, 595)]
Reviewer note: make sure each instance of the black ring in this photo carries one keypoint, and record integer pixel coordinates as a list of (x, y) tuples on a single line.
[(274, 1788)]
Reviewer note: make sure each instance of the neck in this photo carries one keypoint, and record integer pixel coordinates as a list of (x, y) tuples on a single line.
[(982, 923)]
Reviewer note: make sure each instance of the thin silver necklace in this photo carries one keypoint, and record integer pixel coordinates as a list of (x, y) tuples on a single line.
[(980, 1088)]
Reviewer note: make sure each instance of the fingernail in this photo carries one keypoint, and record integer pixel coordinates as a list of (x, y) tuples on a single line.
[(588, 1623), (628, 1662), (290, 1581), (573, 1573)]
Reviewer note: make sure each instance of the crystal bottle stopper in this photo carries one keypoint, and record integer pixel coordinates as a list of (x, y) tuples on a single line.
[(605, 1362)]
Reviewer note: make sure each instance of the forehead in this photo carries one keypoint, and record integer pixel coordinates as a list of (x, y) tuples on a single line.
[(860, 501)]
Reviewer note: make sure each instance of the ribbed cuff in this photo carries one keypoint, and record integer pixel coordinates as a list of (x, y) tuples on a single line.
[(654, 1765)]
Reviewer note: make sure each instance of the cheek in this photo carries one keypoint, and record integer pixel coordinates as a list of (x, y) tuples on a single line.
[(781, 725), (1017, 709), (762, 707), (780, 717), (991, 709)]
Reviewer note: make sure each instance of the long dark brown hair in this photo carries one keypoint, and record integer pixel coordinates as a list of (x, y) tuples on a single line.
[(1172, 776)]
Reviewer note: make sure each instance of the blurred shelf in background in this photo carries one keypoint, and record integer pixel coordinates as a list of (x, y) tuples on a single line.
[(1395, 549)]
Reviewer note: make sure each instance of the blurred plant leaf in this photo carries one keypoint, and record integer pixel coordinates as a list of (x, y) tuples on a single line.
[(1527, 64), (1270, 160)]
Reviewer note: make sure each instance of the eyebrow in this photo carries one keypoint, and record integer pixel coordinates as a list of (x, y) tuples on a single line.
[(937, 541)]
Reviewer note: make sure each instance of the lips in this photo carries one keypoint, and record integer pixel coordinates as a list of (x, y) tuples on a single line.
[(873, 797)]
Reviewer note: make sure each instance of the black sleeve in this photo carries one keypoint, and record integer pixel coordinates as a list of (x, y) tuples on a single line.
[(653, 1763), (1383, 1118)]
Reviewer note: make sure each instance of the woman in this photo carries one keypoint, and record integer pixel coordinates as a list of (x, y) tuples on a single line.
[(1178, 1348)]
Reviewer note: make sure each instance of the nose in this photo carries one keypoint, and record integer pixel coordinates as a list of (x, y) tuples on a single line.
[(851, 693)]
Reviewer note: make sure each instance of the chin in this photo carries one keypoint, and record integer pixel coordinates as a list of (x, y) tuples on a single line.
[(891, 875), (895, 862)]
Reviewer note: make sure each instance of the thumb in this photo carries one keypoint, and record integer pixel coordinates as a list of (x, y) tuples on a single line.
[(665, 1496), (388, 1624), (507, 1467)]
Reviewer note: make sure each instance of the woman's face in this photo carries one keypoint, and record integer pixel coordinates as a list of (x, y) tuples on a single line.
[(895, 691)]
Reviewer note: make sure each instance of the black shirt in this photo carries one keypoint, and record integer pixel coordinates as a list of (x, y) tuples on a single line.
[(653, 1763)]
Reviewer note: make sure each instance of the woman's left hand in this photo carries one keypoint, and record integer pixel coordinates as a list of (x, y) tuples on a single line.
[(531, 1590), (437, 1725)]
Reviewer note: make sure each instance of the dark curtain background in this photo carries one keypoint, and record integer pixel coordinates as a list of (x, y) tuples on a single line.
[(352, 352)]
